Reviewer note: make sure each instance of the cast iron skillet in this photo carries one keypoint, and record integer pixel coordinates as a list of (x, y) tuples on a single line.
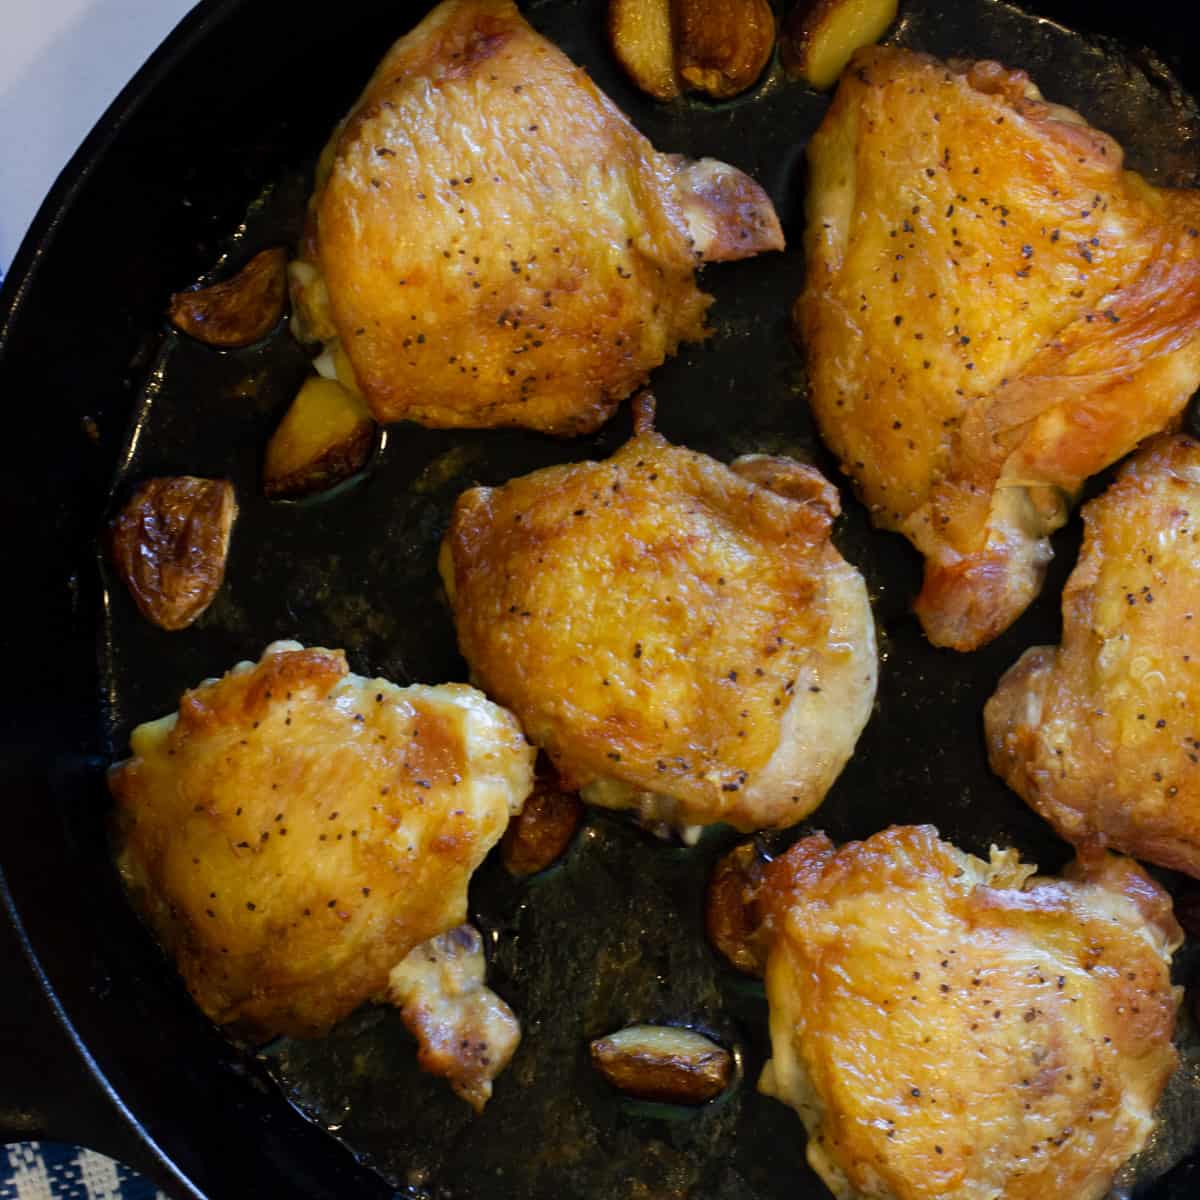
[(206, 153)]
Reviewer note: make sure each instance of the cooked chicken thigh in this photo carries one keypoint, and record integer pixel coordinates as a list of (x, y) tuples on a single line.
[(681, 637), (994, 311), (491, 242), (465, 1031), (1100, 734), (295, 830), (951, 1028)]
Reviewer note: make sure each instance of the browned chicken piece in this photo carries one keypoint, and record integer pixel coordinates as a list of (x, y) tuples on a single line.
[(1100, 734), (994, 311), (681, 637), (951, 1028), (465, 1031), (295, 830), (491, 242)]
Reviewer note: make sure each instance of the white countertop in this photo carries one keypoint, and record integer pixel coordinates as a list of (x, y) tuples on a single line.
[(61, 63)]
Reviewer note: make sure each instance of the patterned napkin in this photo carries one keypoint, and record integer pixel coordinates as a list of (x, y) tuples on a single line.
[(50, 1171)]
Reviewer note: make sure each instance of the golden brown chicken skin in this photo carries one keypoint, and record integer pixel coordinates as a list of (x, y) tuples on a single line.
[(681, 637), (464, 1031), (491, 242), (1100, 734), (295, 830), (951, 1028), (994, 310)]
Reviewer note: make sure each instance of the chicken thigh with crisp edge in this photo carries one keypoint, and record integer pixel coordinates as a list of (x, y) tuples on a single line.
[(294, 831), (681, 637), (492, 242), (951, 1028), (1100, 734), (994, 310)]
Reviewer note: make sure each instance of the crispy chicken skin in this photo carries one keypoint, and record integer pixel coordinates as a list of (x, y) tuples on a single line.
[(1099, 734), (465, 1031), (681, 637), (950, 1028), (295, 830), (491, 242), (994, 310)]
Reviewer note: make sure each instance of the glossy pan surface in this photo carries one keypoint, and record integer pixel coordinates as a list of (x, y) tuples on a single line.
[(207, 158)]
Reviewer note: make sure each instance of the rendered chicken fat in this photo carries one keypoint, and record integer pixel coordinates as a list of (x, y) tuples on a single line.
[(956, 1029), (492, 242), (295, 830), (680, 637)]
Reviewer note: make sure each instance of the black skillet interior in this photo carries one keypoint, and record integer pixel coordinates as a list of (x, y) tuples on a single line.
[(212, 163)]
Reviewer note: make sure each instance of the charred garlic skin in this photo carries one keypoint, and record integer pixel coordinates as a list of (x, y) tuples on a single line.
[(169, 544), (718, 47), (542, 832), (237, 311), (734, 919), (665, 1063)]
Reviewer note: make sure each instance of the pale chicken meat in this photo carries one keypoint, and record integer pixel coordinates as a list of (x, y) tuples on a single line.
[(953, 1028), (491, 241), (994, 310), (465, 1031), (294, 831), (1100, 734), (681, 637)]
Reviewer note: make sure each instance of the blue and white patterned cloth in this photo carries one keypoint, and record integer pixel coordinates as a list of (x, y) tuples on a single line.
[(51, 1171)]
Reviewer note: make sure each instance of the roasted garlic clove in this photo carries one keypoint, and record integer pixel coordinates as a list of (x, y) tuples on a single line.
[(540, 834), (239, 310), (715, 46), (722, 46), (820, 36), (324, 437), (170, 543), (664, 1063), (639, 32), (732, 917)]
